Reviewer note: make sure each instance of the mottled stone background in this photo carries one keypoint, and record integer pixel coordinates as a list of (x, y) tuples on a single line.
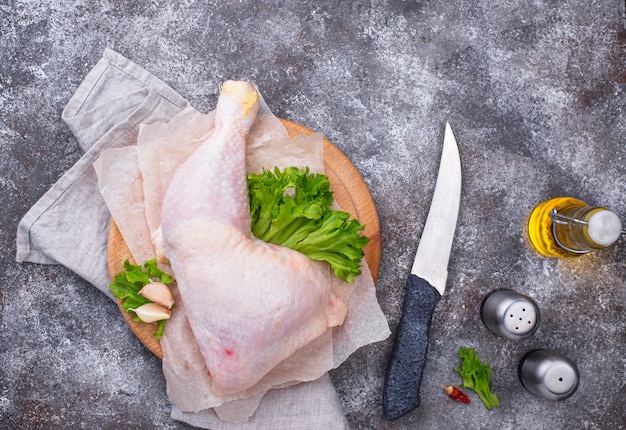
[(534, 90)]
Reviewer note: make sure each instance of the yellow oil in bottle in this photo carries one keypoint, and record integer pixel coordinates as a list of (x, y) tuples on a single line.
[(540, 226), (575, 235), (566, 227)]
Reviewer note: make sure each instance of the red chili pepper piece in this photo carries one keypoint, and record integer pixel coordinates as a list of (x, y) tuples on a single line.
[(456, 394)]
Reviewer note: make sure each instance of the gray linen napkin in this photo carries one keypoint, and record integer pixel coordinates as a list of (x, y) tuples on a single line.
[(69, 224)]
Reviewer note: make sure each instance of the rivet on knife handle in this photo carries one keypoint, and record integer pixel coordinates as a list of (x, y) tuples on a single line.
[(408, 357)]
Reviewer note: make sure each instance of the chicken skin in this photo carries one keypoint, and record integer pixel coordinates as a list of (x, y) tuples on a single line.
[(250, 304)]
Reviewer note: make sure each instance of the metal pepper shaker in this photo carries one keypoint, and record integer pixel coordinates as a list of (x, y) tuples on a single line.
[(567, 227), (548, 374)]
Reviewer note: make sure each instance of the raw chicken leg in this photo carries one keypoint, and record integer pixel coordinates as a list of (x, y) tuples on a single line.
[(250, 304)]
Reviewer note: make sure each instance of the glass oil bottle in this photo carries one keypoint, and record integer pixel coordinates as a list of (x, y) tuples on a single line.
[(565, 227)]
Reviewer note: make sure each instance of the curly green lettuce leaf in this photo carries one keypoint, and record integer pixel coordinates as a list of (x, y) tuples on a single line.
[(476, 376), (127, 284), (292, 209)]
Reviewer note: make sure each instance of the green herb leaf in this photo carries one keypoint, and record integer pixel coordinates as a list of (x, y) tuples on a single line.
[(127, 284), (292, 208), (476, 376)]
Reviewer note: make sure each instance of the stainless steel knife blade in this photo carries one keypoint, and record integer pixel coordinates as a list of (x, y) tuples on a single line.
[(433, 251), (424, 287)]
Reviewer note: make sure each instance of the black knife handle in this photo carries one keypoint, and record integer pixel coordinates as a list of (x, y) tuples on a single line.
[(401, 392)]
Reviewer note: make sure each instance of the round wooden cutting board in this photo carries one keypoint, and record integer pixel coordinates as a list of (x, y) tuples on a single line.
[(349, 189)]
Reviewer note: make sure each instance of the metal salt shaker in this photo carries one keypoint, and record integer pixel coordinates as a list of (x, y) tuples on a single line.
[(509, 314)]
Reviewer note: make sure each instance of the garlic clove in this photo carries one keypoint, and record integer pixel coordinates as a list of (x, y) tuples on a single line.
[(152, 312), (158, 293)]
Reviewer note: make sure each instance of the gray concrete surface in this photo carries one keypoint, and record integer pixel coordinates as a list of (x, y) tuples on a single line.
[(534, 90)]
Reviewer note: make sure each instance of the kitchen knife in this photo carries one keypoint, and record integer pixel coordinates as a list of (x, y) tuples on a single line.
[(424, 287)]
